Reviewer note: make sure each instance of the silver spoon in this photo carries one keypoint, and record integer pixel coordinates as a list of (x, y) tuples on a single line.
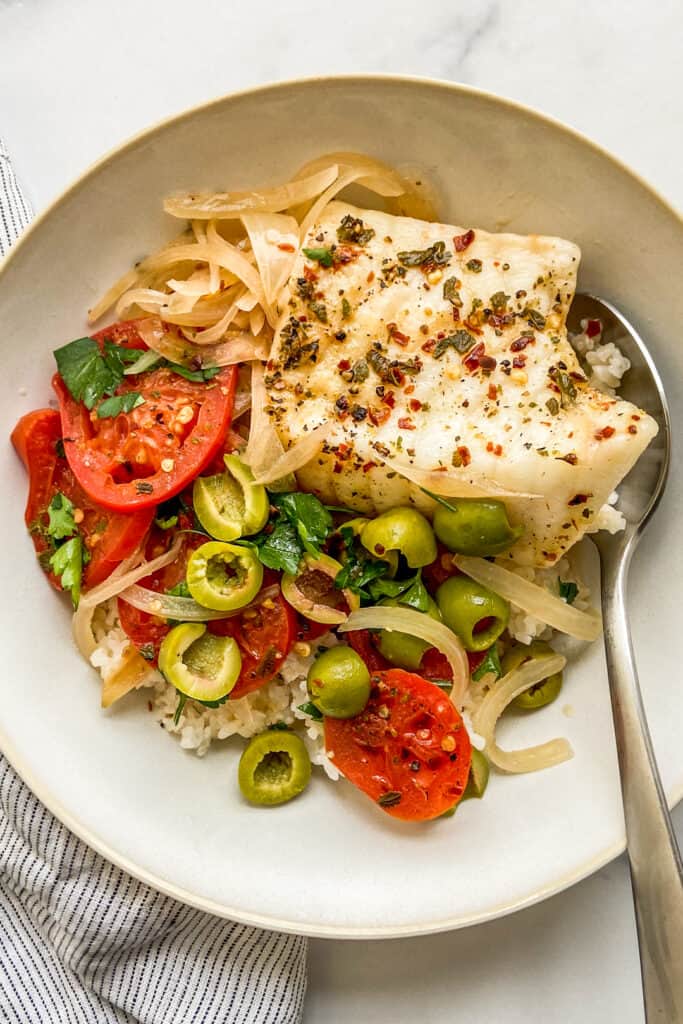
[(654, 858)]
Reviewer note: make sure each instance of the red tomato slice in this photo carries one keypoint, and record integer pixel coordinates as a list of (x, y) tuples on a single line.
[(143, 457), (108, 537), (408, 750), (265, 636)]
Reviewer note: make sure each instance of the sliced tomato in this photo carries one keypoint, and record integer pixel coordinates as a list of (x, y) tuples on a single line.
[(408, 750), (108, 536), (265, 635), (362, 641), (140, 458)]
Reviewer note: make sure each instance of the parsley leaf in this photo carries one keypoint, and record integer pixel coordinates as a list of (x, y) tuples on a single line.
[(282, 549), (85, 372), (180, 590), (568, 591), (119, 403), (197, 376), (411, 592), (61, 513), (491, 663), (67, 563), (311, 710), (166, 523), (461, 341), (321, 256), (308, 514)]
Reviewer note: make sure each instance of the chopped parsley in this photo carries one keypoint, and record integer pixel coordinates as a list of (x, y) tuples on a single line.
[(321, 256), (67, 563), (311, 710), (474, 266), (119, 403), (301, 524), (451, 293), (490, 663), (180, 590), (197, 376), (61, 517)]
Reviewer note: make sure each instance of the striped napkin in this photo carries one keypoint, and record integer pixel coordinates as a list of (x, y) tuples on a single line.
[(83, 943)]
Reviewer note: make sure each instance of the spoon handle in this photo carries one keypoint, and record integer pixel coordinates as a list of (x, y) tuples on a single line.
[(656, 868)]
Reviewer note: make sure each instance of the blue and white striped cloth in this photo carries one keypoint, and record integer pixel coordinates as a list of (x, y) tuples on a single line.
[(83, 943)]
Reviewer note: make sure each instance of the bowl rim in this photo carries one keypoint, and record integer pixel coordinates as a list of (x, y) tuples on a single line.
[(42, 790)]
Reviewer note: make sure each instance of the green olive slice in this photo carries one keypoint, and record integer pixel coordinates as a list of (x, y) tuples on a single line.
[(404, 530), (230, 505), (313, 593), (224, 576), (200, 665), (274, 768)]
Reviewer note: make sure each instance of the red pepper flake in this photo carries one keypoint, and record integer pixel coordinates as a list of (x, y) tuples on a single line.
[(634, 417), (472, 327), (346, 254), (462, 242), (456, 314), (500, 320), (579, 499), (286, 247), (367, 466), (310, 274), (343, 364), (487, 363), (632, 429), (465, 456), (602, 435), (493, 392), (521, 343), (518, 362), (593, 328), (471, 361), (398, 336), (408, 390), (496, 449), (389, 399), (370, 277), (378, 416), (415, 404), (429, 346), (337, 467), (405, 423)]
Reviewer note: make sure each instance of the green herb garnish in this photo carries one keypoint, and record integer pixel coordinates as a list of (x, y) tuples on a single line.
[(352, 229), (461, 341), (491, 663), (119, 403), (311, 710), (435, 256), (61, 516), (67, 563), (321, 256)]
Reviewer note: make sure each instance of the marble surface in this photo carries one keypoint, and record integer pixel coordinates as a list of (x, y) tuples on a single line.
[(77, 77)]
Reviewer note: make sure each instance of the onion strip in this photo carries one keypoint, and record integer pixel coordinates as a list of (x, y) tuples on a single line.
[(297, 456), (183, 609), (264, 446), (274, 242), (450, 484), (407, 620), (237, 347), (225, 205), (532, 598), (502, 693)]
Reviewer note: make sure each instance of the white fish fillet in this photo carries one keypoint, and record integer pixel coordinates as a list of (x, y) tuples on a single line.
[(522, 419)]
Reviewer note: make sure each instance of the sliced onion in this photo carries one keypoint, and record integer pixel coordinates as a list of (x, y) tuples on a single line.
[(371, 173), (407, 620), (212, 334), (296, 457), (264, 446), (532, 598), (257, 319), (528, 759), (184, 609), (219, 205), (128, 676), (114, 585), (274, 240), (197, 284), (234, 260), (322, 201), (238, 346), (451, 484)]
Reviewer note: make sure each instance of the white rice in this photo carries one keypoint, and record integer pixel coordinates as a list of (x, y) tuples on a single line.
[(280, 700)]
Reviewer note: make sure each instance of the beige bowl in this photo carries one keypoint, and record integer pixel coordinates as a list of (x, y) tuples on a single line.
[(329, 863)]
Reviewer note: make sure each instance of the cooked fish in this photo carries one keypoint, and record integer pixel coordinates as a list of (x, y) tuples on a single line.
[(444, 351)]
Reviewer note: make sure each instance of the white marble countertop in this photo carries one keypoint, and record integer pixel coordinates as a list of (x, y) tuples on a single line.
[(78, 77)]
